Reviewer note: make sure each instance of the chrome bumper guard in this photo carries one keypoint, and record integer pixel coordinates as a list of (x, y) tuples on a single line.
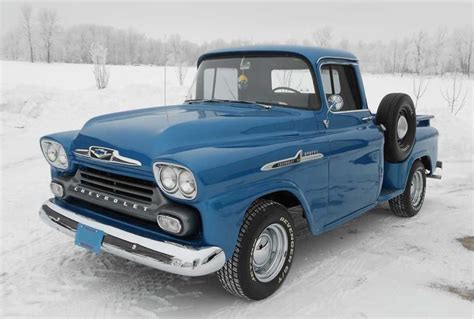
[(166, 256)]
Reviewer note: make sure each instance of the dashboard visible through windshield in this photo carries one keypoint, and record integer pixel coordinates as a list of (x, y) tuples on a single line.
[(270, 80)]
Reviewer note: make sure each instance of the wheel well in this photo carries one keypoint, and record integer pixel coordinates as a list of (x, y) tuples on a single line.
[(296, 210), (285, 198), (427, 163)]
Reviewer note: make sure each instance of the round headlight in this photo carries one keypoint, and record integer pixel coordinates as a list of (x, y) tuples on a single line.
[(51, 152), (62, 157), (186, 182), (168, 178), (55, 154)]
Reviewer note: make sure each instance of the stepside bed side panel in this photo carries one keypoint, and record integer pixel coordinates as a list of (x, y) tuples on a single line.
[(426, 145)]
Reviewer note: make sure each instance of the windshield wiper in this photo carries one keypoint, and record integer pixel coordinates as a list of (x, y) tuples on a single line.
[(262, 104)]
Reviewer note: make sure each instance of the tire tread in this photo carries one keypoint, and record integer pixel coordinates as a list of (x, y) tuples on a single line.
[(401, 205), (228, 275)]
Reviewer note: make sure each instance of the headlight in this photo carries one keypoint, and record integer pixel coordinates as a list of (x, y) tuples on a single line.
[(51, 152), (175, 180), (55, 154), (186, 183), (168, 178)]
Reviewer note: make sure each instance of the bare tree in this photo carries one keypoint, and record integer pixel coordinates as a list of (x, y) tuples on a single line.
[(419, 41), (101, 72), (394, 46), (420, 84), (405, 49), (48, 29), (27, 26), (454, 94), (178, 52), (344, 44), (463, 44), (438, 48), (10, 44), (322, 37), (132, 43)]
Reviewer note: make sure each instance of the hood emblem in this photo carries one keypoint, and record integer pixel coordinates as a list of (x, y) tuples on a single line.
[(300, 157), (101, 153), (106, 155)]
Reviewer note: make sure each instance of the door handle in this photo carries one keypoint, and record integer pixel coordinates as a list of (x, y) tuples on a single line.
[(368, 118)]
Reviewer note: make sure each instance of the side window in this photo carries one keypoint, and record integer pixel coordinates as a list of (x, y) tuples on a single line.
[(340, 80)]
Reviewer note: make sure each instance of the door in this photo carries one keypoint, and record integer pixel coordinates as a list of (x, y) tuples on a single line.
[(355, 144)]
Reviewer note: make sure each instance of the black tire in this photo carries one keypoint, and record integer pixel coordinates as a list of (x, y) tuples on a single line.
[(392, 107), (403, 205), (238, 276)]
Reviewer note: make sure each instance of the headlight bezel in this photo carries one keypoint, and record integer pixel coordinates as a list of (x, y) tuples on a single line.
[(176, 191), (59, 149)]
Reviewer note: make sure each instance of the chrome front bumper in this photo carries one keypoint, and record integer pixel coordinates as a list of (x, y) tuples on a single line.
[(166, 256)]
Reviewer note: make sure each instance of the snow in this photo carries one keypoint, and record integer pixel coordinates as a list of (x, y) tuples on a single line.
[(376, 265)]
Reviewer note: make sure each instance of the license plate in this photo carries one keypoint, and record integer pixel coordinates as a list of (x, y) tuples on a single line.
[(89, 238)]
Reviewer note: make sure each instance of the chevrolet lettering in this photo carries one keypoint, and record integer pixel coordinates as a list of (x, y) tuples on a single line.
[(108, 198), (207, 186)]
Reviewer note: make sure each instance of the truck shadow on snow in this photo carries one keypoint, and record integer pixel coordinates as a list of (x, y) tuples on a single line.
[(133, 289)]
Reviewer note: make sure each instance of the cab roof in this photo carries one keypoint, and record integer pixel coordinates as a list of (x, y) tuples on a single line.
[(313, 54)]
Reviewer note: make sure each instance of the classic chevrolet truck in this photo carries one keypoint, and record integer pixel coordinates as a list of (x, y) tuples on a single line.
[(206, 186)]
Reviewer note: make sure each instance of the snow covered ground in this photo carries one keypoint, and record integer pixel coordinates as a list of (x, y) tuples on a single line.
[(376, 265)]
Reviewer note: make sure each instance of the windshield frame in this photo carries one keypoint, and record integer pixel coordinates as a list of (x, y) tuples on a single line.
[(264, 54)]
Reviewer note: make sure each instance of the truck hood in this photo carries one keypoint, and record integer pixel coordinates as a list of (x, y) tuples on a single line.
[(158, 132)]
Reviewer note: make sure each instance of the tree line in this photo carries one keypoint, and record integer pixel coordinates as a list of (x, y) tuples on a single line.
[(40, 37)]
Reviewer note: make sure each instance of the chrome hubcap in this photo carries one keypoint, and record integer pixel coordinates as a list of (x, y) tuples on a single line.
[(269, 253), (416, 188), (402, 127)]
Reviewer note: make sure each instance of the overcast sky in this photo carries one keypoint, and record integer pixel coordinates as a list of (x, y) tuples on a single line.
[(268, 21)]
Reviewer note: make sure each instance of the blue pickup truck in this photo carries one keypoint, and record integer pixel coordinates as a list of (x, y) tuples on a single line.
[(207, 186)]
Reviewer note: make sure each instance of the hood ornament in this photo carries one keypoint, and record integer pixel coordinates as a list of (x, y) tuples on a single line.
[(105, 154)]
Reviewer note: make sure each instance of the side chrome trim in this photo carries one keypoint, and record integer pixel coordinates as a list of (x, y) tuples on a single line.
[(167, 256), (299, 158), (114, 157)]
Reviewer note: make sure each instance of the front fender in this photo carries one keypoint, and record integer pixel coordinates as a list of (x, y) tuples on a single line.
[(223, 215), (65, 139)]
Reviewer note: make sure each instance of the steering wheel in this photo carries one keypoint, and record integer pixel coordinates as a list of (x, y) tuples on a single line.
[(285, 88)]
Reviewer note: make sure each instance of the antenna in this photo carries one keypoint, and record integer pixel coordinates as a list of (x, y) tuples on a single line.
[(164, 73)]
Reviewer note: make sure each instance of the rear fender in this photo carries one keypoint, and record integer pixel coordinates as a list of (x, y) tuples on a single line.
[(426, 147)]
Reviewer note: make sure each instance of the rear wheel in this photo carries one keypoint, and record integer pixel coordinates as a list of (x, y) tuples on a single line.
[(263, 254), (409, 203)]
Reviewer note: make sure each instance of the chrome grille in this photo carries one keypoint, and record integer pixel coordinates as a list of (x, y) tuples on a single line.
[(123, 186)]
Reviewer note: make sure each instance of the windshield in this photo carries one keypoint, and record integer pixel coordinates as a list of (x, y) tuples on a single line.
[(271, 80)]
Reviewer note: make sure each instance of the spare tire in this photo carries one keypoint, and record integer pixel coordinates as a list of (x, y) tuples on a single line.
[(396, 113)]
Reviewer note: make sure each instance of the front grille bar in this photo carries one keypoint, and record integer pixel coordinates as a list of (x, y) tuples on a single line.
[(132, 188)]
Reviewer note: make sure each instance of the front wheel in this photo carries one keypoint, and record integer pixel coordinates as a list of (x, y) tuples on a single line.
[(263, 254), (409, 203)]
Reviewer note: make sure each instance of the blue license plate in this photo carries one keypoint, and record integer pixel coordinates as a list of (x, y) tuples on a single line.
[(89, 238)]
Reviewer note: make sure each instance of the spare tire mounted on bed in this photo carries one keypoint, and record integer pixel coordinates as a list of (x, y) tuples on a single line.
[(396, 113)]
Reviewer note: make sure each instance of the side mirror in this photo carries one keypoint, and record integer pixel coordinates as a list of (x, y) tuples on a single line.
[(335, 103)]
